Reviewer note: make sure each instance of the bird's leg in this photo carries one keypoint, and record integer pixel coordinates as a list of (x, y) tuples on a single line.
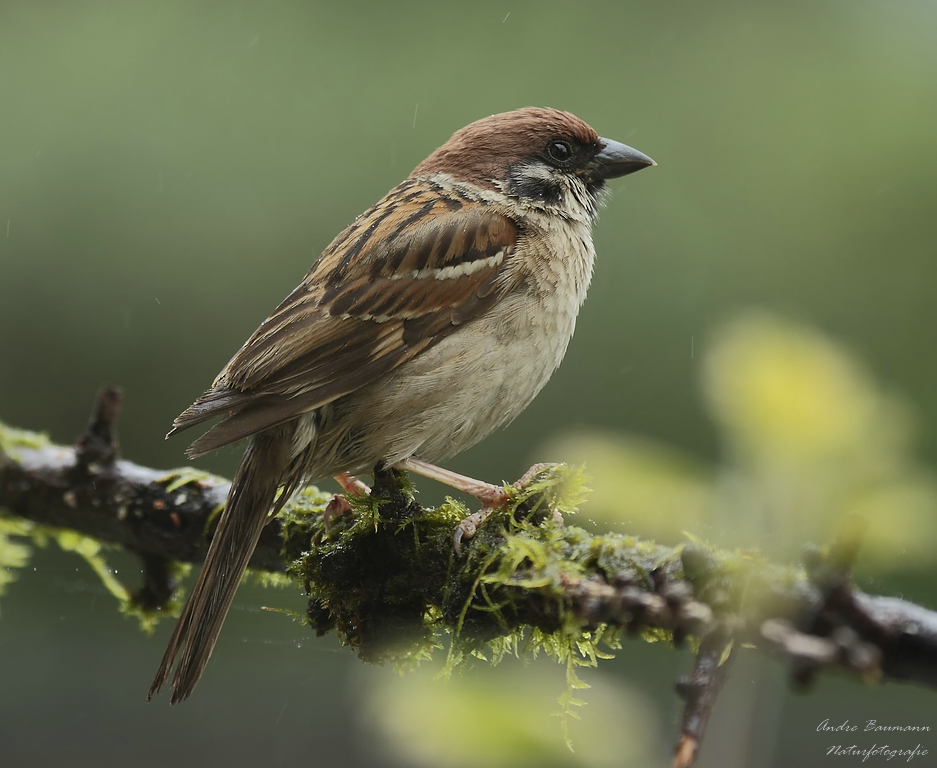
[(338, 504), (488, 494), (491, 496), (352, 484)]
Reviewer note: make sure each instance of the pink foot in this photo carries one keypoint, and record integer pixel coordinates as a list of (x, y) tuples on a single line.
[(352, 484), (491, 496), (338, 505)]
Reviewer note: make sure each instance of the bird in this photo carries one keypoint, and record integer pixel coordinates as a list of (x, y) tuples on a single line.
[(428, 323)]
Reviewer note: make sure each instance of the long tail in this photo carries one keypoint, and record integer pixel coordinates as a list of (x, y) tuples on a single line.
[(253, 492)]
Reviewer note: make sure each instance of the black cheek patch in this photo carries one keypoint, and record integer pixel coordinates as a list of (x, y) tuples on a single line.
[(530, 187)]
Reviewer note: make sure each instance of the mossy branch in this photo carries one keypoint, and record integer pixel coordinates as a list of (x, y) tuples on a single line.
[(387, 579)]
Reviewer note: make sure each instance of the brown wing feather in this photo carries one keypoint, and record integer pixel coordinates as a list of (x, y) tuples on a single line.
[(400, 278)]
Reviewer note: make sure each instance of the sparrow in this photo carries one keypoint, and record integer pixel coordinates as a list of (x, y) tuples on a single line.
[(429, 322)]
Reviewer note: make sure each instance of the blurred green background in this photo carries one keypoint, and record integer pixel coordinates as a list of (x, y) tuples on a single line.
[(755, 359)]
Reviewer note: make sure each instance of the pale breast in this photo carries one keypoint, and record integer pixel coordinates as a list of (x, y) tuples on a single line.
[(476, 380)]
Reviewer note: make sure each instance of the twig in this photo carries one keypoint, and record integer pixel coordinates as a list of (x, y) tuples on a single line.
[(700, 691), (99, 445)]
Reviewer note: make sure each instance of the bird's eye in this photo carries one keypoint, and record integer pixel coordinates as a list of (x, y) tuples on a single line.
[(559, 151)]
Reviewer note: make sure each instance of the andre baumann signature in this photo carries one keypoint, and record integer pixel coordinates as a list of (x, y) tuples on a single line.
[(876, 750)]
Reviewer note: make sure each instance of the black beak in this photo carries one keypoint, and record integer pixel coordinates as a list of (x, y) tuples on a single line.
[(614, 160)]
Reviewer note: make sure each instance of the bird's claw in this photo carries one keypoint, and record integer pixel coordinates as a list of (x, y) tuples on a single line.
[(469, 527), (494, 498), (530, 474), (338, 505)]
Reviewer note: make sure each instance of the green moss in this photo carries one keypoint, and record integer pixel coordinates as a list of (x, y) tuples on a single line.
[(12, 440), (374, 573), (386, 577), (140, 606), (14, 555), (90, 550), (175, 479)]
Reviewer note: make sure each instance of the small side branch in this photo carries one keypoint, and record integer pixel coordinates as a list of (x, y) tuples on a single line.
[(700, 691), (99, 444)]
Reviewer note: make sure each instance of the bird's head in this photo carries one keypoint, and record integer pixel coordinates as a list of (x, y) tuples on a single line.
[(542, 157)]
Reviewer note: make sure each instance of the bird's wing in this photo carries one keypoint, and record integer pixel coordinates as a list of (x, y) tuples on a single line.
[(403, 276)]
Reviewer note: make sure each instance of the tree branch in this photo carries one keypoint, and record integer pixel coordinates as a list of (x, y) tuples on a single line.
[(387, 579), (87, 489)]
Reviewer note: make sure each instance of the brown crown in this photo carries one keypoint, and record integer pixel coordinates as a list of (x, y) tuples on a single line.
[(483, 151)]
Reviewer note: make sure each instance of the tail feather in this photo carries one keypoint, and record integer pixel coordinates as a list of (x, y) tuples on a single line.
[(253, 493), (215, 402)]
